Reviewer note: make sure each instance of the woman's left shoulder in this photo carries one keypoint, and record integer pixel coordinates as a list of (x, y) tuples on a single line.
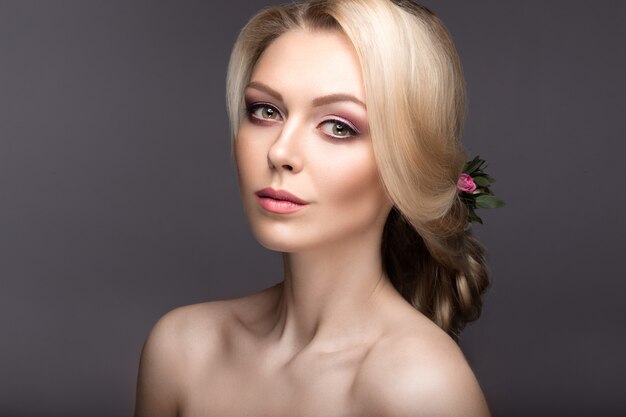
[(418, 370)]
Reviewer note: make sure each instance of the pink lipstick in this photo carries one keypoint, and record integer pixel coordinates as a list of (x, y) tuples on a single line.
[(279, 201)]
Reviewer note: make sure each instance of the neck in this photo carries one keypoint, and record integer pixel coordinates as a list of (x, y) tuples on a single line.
[(330, 296)]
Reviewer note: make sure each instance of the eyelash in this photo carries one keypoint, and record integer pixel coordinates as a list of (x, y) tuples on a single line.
[(253, 108), (352, 132)]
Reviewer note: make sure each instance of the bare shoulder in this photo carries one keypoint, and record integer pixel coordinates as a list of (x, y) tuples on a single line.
[(182, 330), (419, 371), (183, 341), (167, 354), (189, 331)]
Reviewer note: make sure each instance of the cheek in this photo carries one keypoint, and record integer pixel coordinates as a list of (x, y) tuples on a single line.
[(247, 158), (353, 187)]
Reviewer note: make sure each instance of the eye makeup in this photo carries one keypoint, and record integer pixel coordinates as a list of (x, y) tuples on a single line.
[(333, 125), (263, 112), (339, 128)]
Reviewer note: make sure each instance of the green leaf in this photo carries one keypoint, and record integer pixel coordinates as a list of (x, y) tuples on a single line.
[(476, 158), (488, 201), (472, 217), (473, 165), (482, 181), (484, 175)]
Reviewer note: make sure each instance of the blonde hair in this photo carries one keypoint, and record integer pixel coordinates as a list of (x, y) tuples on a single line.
[(415, 96)]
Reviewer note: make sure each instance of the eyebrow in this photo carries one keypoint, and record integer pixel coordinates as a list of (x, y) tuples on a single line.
[(319, 101), (266, 89), (332, 98)]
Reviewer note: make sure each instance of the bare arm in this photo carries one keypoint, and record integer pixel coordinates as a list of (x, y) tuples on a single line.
[(414, 379), (158, 382), (450, 391)]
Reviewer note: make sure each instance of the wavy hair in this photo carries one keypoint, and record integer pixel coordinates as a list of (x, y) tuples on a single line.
[(415, 97)]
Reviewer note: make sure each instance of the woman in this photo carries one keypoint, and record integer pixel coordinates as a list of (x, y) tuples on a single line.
[(346, 117)]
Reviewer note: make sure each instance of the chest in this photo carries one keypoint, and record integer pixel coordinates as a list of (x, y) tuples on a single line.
[(314, 388)]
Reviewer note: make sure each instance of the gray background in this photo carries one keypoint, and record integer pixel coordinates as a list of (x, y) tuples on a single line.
[(118, 198)]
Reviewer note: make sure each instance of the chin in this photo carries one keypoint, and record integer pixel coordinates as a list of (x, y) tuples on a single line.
[(280, 240)]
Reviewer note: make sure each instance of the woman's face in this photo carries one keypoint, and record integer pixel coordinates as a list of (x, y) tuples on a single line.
[(306, 133)]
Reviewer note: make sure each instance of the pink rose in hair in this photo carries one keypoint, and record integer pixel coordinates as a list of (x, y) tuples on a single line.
[(465, 183)]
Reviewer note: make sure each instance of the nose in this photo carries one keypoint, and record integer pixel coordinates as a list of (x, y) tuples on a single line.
[(284, 153)]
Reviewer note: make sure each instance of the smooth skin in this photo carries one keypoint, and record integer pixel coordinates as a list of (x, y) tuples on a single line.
[(334, 338)]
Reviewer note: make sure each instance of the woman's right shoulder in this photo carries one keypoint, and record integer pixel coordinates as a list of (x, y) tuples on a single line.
[(183, 341), (203, 328), (186, 322), (181, 335)]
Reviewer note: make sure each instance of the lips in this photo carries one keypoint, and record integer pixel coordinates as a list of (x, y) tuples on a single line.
[(279, 201), (280, 195)]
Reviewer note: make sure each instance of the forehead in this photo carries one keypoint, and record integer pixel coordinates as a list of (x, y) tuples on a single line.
[(316, 63)]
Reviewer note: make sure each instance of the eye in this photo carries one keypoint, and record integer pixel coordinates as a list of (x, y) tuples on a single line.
[(263, 111), (338, 129)]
